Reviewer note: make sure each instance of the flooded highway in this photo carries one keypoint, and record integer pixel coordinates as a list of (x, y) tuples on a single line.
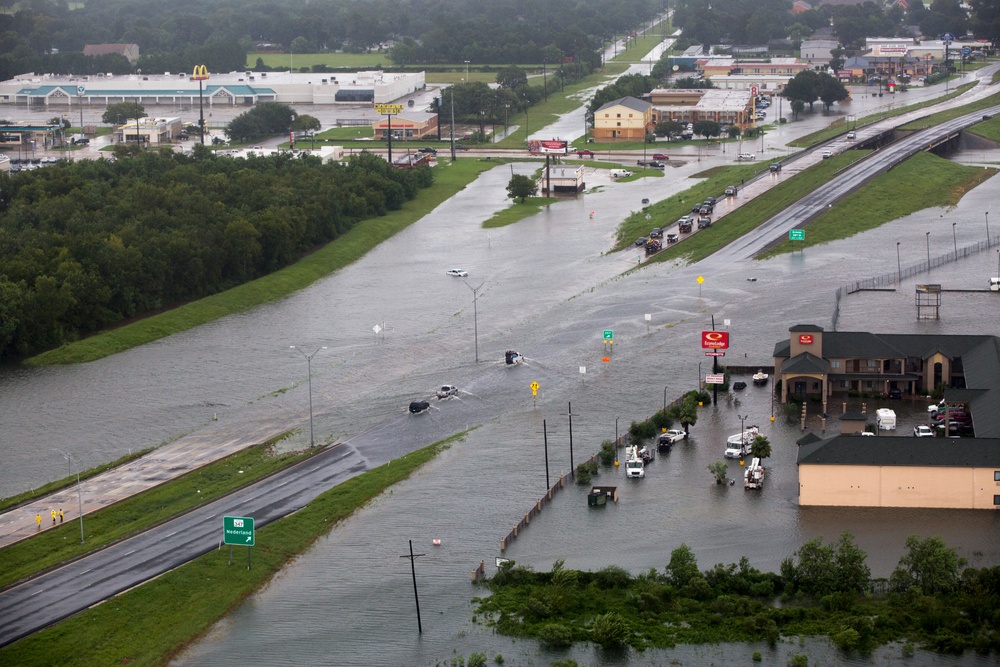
[(549, 289)]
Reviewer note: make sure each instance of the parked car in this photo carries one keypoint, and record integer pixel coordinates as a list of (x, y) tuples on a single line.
[(656, 233), (620, 173), (660, 156), (775, 167), (656, 164), (672, 436), (923, 431), (447, 390), (895, 393), (584, 152), (953, 415), (458, 273), (739, 385), (746, 156), (731, 191), (641, 241), (428, 149), (461, 147)]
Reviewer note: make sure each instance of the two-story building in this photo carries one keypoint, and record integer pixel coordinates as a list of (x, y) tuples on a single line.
[(690, 105), (624, 119), (830, 364)]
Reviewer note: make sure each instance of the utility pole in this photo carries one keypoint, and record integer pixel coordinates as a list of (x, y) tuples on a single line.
[(545, 436), (569, 413), (413, 571)]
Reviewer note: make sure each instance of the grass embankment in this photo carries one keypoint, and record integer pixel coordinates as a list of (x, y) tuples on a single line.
[(519, 211), (150, 624), (920, 182), (949, 114), (839, 126), (988, 129), (336, 60), (448, 180), (142, 511)]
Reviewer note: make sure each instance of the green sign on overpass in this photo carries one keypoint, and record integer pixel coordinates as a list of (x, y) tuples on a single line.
[(237, 530)]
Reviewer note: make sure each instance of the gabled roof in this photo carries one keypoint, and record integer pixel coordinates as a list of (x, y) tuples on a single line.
[(807, 362), (896, 451), (630, 102)]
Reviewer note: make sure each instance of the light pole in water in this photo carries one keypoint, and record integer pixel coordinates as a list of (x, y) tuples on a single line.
[(475, 313), (309, 358)]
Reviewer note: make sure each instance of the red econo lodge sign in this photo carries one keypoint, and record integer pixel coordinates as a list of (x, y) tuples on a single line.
[(805, 339), (715, 340)]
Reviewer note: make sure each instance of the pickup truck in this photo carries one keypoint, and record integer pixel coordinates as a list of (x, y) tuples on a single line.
[(704, 222), (684, 225), (672, 436)]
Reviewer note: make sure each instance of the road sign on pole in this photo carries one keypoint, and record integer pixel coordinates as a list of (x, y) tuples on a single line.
[(609, 334), (715, 379), (796, 235), (715, 354), (237, 530)]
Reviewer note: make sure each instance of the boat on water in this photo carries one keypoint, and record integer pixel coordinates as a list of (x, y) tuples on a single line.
[(753, 476), (760, 378), (512, 358)]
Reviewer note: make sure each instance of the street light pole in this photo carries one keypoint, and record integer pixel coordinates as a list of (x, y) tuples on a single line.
[(954, 241), (899, 269), (928, 251), (987, 230), (309, 358), (475, 313), (79, 492), (466, 71), (664, 399)]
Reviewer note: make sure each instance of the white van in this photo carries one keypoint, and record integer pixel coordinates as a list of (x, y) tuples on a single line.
[(995, 284), (620, 173), (886, 419)]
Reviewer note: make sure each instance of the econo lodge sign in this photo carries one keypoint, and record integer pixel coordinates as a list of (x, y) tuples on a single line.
[(715, 340)]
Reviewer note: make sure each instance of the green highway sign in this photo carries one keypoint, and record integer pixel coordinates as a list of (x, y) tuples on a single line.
[(237, 530), (608, 334), (796, 235)]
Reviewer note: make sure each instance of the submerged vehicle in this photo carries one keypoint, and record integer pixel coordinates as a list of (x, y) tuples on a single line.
[(416, 407), (447, 390), (634, 466), (760, 378), (739, 445), (512, 358), (753, 476)]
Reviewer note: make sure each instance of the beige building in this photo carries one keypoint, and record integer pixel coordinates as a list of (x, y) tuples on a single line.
[(854, 471), (624, 119), (725, 107)]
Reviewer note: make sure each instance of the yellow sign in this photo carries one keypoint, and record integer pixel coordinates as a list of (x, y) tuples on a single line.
[(388, 109), (200, 73), (701, 280), (534, 389)]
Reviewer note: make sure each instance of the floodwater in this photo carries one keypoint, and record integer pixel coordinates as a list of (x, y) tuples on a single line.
[(548, 288), (338, 601)]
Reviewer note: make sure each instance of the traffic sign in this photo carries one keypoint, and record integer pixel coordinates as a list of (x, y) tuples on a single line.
[(388, 109), (796, 235), (753, 90), (534, 388), (700, 279), (715, 340), (609, 334), (237, 530), (713, 353), (715, 379)]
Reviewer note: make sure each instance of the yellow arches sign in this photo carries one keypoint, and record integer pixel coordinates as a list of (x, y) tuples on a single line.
[(200, 73)]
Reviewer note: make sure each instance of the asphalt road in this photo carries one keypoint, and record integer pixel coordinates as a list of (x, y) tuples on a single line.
[(48, 598), (55, 595)]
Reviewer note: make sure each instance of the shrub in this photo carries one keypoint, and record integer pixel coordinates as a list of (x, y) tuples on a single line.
[(555, 635), (799, 660), (757, 657), (586, 471), (477, 659), (639, 431), (612, 577), (607, 453), (609, 631), (662, 420)]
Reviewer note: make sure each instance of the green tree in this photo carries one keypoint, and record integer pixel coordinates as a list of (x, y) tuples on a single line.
[(707, 128), (761, 447), (666, 128), (512, 78), (120, 112), (929, 567), (306, 123), (720, 471), (831, 90), (683, 566), (521, 186)]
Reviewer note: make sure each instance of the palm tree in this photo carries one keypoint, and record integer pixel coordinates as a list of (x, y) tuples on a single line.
[(761, 447)]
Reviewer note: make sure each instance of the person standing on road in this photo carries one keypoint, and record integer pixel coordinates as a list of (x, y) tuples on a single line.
[(38, 520), (53, 517), (61, 515)]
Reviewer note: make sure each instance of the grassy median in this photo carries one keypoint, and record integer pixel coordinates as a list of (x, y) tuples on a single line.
[(152, 623)]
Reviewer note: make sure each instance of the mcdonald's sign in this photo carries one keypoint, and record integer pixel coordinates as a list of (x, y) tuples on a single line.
[(200, 73)]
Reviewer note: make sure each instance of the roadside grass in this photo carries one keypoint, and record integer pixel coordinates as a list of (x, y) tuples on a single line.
[(448, 180), (153, 623), (53, 546), (664, 213), (839, 126), (921, 182), (59, 484), (335, 60), (949, 114), (519, 211), (988, 129)]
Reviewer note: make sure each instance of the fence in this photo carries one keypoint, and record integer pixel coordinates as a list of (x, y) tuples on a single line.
[(890, 280)]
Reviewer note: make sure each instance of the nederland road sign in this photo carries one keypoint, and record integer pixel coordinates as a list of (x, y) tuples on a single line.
[(796, 235), (237, 530), (608, 334)]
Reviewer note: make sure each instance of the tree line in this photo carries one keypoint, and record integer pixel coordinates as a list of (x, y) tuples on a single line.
[(86, 245), (49, 36), (930, 599)]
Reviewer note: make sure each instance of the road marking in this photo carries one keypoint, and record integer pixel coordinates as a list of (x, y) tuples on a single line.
[(129, 553), (36, 593), (172, 534)]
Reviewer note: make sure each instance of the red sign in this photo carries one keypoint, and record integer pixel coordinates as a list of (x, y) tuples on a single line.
[(806, 339), (553, 146), (715, 340), (715, 354)]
